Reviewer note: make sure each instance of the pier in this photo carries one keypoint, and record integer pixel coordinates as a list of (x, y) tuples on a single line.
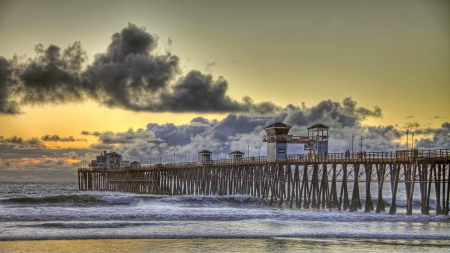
[(302, 181), (316, 180)]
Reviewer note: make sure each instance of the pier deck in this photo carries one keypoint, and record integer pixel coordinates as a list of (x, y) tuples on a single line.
[(304, 181)]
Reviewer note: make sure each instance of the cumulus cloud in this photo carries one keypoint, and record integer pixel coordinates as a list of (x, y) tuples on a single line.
[(21, 143), (344, 114), (131, 75), (8, 105), (62, 139), (53, 76), (440, 138), (168, 142)]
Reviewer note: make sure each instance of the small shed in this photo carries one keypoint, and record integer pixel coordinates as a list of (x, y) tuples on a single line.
[(236, 155), (204, 157), (135, 165)]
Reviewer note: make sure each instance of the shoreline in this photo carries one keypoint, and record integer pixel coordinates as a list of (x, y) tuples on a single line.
[(285, 244)]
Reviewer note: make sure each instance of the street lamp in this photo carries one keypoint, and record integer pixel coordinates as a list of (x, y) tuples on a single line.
[(361, 144), (407, 132), (184, 158), (160, 160), (318, 144), (259, 154), (225, 152), (217, 154), (412, 140), (353, 137), (189, 156), (173, 159), (248, 150)]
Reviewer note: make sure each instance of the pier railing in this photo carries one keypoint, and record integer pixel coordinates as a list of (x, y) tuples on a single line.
[(358, 157)]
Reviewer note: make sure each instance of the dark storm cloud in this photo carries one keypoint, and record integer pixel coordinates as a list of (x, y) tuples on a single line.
[(131, 75), (128, 75), (62, 139), (53, 76), (199, 127), (440, 139), (233, 128), (129, 136), (21, 141), (343, 114), (7, 104), (197, 92), (95, 133)]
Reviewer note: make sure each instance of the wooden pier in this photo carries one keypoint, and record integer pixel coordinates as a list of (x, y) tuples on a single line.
[(332, 181)]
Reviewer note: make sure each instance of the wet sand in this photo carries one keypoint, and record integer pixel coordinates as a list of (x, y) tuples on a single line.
[(213, 245)]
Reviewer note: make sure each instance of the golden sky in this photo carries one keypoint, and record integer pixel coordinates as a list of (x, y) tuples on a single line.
[(338, 62), (391, 54)]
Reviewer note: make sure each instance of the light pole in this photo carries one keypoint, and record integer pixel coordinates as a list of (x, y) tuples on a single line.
[(412, 140), (189, 156), (150, 160), (259, 154), (248, 150), (184, 158), (160, 160), (318, 144), (353, 137), (407, 132), (225, 152), (361, 144), (173, 159), (217, 155)]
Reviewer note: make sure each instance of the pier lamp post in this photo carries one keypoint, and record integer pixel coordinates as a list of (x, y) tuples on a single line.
[(217, 155), (412, 140), (318, 144), (361, 144), (248, 150), (189, 156), (160, 159), (407, 132), (150, 160), (259, 154), (353, 137), (225, 152), (184, 158)]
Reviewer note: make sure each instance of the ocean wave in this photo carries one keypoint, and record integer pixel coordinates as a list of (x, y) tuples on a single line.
[(70, 200), (171, 213), (237, 201)]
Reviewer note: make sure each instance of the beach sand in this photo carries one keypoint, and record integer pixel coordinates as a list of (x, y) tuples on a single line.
[(211, 245)]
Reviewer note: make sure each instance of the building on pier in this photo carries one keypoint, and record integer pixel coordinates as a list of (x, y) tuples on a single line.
[(320, 132), (204, 157), (111, 160), (236, 155), (280, 143)]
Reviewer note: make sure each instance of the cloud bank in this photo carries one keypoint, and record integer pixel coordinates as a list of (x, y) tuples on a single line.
[(131, 75), (28, 160)]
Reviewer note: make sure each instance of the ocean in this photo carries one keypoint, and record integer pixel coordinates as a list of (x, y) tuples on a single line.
[(41, 216)]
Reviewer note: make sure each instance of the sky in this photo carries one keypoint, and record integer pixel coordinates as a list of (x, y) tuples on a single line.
[(171, 78)]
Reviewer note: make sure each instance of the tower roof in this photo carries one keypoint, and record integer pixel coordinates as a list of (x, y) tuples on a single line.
[(278, 125), (277, 128), (318, 127)]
